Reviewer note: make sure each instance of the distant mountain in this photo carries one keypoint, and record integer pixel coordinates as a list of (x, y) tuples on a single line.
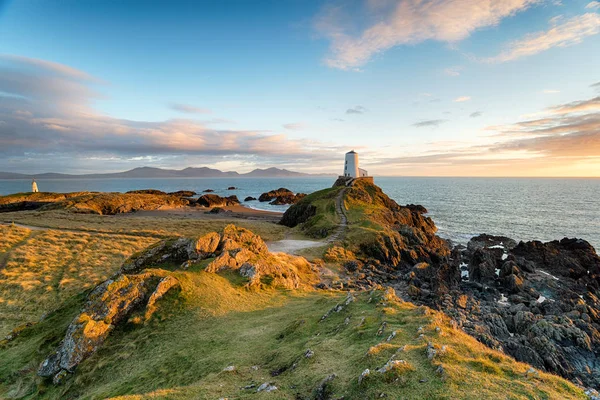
[(151, 172)]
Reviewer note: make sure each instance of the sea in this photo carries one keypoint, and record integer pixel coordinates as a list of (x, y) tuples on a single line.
[(521, 208)]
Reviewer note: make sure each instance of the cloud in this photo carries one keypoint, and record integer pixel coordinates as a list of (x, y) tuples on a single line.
[(453, 71), (594, 5), (188, 109), (462, 99), (294, 126), (47, 116), (404, 22), (431, 122), (356, 110), (596, 86), (577, 106), (476, 114), (565, 34), (564, 143)]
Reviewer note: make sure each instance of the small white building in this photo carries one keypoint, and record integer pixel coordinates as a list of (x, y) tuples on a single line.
[(351, 168), (34, 187)]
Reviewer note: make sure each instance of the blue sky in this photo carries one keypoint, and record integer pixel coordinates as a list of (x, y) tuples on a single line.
[(456, 87)]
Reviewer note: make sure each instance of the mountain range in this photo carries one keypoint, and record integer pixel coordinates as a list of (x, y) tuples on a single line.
[(150, 172)]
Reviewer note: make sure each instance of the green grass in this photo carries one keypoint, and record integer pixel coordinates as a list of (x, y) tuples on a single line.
[(214, 322), (326, 219)]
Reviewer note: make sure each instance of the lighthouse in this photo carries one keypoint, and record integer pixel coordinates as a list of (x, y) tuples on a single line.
[(351, 165), (34, 187), (351, 169)]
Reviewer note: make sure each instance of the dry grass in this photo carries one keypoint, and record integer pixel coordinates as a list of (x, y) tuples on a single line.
[(10, 236), (50, 266), (140, 225)]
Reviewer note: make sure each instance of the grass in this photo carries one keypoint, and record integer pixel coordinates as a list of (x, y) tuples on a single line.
[(214, 323), (44, 268), (326, 219), (138, 225)]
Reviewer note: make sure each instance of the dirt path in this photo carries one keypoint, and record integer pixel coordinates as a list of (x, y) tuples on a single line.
[(340, 232)]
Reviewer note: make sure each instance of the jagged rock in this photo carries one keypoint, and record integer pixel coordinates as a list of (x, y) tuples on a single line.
[(417, 208), (241, 250), (108, 304), (323, 390), (272, 194), (147, 191), (206, 245), (213, 200), (171, 250)]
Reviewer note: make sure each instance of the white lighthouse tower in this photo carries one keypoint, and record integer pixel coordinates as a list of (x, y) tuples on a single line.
[(351, 165)]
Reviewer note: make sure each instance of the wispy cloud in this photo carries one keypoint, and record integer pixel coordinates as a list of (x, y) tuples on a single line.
[(429, 123), (594, 5), (48, 115), (188, 109), (565, 34), (390, 24), (577, 106), (294, 126), (596, 86), (476, 114), (453, 71), (356, 110), (462, 99)]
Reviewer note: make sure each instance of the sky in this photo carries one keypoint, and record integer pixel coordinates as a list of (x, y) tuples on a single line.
[(416, 87)]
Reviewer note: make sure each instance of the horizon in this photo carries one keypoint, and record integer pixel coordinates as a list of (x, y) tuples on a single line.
[(508, 90)]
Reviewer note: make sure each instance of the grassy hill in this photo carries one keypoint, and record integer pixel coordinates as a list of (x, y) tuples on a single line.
[(215, 337)]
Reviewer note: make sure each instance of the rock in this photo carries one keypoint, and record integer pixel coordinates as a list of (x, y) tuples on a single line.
[(323, 390), (107, 305), (183, 193), (172, 250), (59, 378), (272, 194), (309, 353), (213, 200), (392, 364), (266, 387), (207, 191), (250, 198), (218, 210), (229, 368), (364, 375), (241, 250), (232, 188), (147, 191), (417, 208), (206, 245)]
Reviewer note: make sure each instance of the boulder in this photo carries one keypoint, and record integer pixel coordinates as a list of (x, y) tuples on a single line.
[(109, 304), (232, 188), (207, 191), (250, 198), (273, 194), (213, 200), (171, 250)]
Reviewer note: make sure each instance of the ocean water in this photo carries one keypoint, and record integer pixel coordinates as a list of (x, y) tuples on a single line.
[(521, 208)]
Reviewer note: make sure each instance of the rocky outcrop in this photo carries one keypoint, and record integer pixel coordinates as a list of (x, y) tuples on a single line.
[(241, 250), (183, 193), (281, 196), (538, 302), (298, 214), (213, 200), (147, 191), (250, 198), (173, 251), (108, 305)]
